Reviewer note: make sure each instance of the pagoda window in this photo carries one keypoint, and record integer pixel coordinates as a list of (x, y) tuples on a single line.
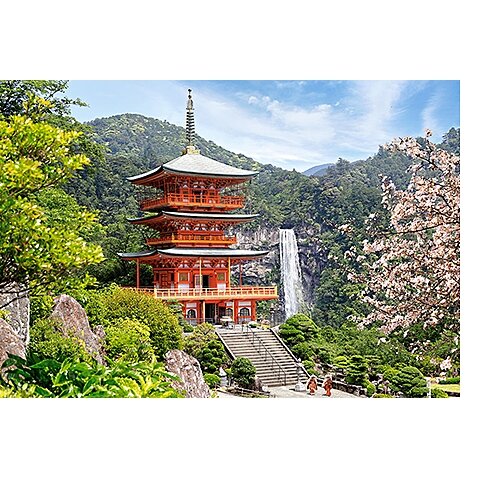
[(183, 277), (244, 312), (191, 314), (229, 312)]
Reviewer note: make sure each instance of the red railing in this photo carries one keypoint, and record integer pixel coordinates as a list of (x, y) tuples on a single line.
[(187, 238), (244, 292), (199, 200)]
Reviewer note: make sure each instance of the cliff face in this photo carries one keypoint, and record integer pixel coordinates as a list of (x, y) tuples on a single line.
[(267, 271)]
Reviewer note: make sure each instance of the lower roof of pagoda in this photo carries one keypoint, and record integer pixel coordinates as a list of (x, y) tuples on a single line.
[(192, 216), (194, 252)]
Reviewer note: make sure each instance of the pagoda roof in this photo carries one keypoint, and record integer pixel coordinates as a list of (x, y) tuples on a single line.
[(194, 252), (193, 215), (197, 165)]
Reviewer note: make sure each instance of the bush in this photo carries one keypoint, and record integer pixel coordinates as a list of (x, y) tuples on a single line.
[(438, 393), (243, 372), (382, 395), (304, 350), (410, 381), (450, 380), (75, 379), (356, 372), (212, 357), (341, 362), (128, 340), (310, 367), (298, 329), (205, 346), (212, 380), (47, 341), (370, 388), (113, 305)]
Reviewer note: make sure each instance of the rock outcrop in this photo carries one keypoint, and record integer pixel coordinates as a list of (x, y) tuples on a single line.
[(187, 368), (16, 303), (73, 320), (10, 342)]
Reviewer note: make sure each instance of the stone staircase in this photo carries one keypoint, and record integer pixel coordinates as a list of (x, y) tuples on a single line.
[(274, 362)]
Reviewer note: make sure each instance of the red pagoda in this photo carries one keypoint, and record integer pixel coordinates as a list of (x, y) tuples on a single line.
[(188, 202)]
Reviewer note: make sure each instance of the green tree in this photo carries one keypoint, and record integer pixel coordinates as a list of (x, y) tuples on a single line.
[(298, 329), (356, 372), (205, 346), (243, 372), (35, 157), (410, 381)]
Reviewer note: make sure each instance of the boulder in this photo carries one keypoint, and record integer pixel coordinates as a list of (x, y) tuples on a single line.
[(15, 301), (73, 320), (10, 342), (187, 368)]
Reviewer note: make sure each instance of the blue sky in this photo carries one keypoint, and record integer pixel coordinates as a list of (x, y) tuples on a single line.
[(291, 124)]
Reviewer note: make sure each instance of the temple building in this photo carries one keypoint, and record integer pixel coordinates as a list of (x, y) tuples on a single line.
[(190, 204)]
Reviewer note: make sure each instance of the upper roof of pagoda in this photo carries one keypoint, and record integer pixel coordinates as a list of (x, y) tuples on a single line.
[(193, 163)]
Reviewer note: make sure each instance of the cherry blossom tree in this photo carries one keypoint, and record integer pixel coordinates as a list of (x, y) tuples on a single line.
[(412, 269)]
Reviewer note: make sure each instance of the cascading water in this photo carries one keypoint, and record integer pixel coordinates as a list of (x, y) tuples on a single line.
[(290, 272)]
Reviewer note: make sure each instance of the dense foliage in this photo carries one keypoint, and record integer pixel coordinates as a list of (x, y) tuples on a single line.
[(205, 346), (243, 372), (75, 379), (151, 325)]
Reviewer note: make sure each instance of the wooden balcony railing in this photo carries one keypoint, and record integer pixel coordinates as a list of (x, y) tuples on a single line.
[(194, 200), (216, 239), (244, 292)]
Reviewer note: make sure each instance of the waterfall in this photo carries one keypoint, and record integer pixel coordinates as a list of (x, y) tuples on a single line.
[(290, 272)]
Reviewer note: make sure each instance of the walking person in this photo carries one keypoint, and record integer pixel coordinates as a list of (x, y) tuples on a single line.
[(327, 385), (312, 384)]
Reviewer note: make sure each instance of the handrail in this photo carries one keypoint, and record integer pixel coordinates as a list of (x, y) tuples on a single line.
[(249, 330), (173, 237), (203, 199), (244, 291)]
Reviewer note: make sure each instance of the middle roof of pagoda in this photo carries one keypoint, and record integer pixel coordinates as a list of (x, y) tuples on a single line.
[(194, 163), (197, 216)]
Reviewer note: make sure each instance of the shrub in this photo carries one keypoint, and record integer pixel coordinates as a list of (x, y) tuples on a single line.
[(212, 380), (341, 362), (356, 372), (75, 379), (450, 380), (370, 387), (438, 393), (304, 350), (410, 381), (128, 340), (114, 304), (382, 395), (205, 346), (243, 372), (298, 329), (212, 357), (310, 367), (47, 341)]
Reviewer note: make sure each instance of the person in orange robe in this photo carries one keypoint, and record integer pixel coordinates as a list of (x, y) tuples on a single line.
[(327, 385), (312, 384)]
